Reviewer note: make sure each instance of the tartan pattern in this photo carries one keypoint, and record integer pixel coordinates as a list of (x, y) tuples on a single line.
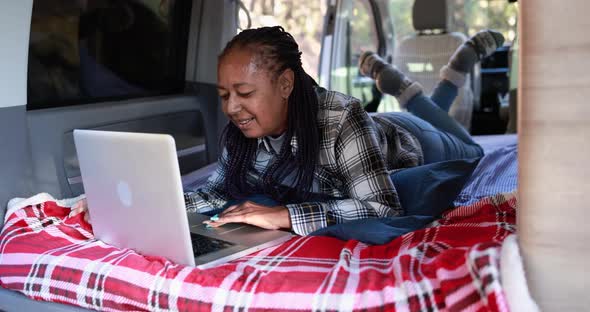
[(452, 265), (356, 154)]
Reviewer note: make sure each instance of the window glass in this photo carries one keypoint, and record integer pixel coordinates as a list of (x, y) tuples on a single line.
[(357, 34), (302, 20), (90, 51), (465, 16), (363, 30), (471, 16)]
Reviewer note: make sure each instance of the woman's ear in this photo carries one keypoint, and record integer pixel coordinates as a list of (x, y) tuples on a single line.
[(286, 83)]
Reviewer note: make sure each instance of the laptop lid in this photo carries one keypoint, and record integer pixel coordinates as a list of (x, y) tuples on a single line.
[(134, 191)]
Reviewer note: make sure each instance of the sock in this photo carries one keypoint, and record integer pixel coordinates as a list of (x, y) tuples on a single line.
[(388, 79), (481, 45)]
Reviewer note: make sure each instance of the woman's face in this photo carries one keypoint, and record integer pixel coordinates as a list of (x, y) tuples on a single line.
[(254, 101)]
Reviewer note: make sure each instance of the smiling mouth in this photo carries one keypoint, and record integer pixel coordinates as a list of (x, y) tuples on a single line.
[(244, 122)]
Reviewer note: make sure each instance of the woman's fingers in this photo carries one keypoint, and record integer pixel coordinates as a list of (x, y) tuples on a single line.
[(238, 207), (80, 207), (74, 211), (233, 214), (219, 220), (81, 204), (213, 223), (254, 214), (230, 209), (237, 216)]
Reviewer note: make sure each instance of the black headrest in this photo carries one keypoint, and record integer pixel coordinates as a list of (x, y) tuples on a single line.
[(429, 14)]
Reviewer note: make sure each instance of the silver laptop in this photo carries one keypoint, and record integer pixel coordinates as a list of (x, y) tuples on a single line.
[(135, 198)]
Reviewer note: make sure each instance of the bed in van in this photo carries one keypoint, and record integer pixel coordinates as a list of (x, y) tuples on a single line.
[(150, 66)]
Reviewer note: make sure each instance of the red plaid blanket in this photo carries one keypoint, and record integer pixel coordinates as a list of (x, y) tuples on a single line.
[(452, 265)]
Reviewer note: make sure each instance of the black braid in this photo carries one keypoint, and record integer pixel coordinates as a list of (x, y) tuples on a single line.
[(237, 144), (276, 50)]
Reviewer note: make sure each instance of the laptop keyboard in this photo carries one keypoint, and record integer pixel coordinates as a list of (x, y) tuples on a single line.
[(204, 245)]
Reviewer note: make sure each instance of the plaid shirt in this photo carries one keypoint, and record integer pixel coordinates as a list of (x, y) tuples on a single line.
[(356, 155)]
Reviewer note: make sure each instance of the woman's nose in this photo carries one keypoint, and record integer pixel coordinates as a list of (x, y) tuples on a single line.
[(233, 106)]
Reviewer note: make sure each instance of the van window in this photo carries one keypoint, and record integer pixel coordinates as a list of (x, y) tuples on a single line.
[(90, 51), (465, 16), (304, 22), (358, 34)]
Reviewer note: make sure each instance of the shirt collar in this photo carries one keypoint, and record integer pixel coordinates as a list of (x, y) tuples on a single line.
[(264, 144)]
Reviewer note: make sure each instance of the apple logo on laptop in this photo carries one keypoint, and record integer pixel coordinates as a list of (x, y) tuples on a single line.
[(124, 193)]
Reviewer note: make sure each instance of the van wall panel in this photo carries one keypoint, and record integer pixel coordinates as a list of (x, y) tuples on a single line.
[(49, 128), (15, 164)]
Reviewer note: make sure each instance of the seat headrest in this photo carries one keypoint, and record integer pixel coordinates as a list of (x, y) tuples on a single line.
[(429, 14)]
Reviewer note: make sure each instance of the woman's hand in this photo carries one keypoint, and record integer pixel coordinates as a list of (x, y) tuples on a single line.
[(272, 218), (81, 207)]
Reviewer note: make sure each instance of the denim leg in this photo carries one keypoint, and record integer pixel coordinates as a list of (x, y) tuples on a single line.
[(437, 145), (444, 94), (441, 137), (425, 108)]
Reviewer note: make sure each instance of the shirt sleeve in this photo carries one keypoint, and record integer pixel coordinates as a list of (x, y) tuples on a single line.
[(361, 169), (212, 195)]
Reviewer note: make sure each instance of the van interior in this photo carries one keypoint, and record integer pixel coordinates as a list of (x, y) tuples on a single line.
[(151, 66)]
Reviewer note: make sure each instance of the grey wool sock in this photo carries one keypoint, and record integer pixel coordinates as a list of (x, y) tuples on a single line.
[(388, 79), (481, 45)]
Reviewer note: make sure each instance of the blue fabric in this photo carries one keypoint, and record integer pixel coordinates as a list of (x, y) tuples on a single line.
[(497, 172), (425, 192), (375, 231), (429, 190)]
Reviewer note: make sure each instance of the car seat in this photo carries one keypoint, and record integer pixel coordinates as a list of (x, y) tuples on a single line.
[(423, 54)]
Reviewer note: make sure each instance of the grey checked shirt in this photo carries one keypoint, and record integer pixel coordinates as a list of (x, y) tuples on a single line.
[(357, 153)]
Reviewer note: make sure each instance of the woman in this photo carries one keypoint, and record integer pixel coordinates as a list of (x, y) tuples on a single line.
[(319, 156), (317, 152)]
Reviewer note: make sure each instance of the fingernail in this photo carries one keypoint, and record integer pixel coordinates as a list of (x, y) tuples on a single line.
[(214, 218)]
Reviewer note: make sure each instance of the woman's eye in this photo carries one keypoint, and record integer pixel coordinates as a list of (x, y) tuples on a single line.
[(245, 94), (224, 96)]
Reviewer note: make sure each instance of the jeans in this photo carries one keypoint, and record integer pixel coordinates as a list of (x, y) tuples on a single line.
[(441, 137)]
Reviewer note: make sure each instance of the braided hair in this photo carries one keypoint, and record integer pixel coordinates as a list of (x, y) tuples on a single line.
[(275, 50)]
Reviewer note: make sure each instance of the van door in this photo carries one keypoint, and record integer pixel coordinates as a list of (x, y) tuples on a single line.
[(350, 28)]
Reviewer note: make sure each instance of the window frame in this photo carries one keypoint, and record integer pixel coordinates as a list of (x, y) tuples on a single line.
[(180, 32)]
